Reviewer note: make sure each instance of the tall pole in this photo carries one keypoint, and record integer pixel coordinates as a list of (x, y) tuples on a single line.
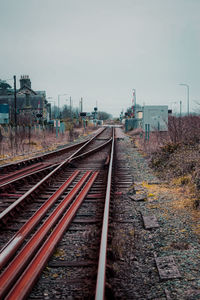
[(81, 104), (70, 99), (58, 116), (180, 108), (134, 104), (134, 97), (188, 96), (15, 100)]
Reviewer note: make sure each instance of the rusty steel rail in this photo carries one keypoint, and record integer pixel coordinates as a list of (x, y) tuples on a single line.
[(20, 261), (8, 211), (14, 175), (70, 160), (23, 286), (27, 161), (33, 172), (24, 171), (38, 159), (11, 247), (91, 151), (101, 274)]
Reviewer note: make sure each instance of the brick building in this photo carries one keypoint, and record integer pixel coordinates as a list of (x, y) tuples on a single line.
[(31, 105)]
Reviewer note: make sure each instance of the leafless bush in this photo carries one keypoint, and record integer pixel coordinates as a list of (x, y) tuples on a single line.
[(176, 153), (26, 139), (181, 131), (21, 137), (184, 130)]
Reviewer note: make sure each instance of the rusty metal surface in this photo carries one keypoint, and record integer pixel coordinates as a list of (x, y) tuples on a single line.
[(21, 260), (101, 274), (86, 223), (9, 210), (19, 178), (10, 248), (26, 170), (25, 162), (92, 150), (20, 170), (26, 281)]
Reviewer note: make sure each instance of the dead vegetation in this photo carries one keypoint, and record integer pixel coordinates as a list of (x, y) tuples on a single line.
[(175, 154), (25, 140)]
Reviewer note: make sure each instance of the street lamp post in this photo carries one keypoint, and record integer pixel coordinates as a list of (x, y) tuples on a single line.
[(188, 100)]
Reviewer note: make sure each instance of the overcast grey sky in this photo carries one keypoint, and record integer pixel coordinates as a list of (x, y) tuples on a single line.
[(100, 50)]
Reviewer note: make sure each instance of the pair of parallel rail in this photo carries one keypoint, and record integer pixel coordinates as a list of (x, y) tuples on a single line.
[(22, 271)]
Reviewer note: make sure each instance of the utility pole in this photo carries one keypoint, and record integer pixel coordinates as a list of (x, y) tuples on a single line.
[(81, 104), (70, 99), (58, 114), (180, 108), (15, 100), (180, 121), (134, 102)]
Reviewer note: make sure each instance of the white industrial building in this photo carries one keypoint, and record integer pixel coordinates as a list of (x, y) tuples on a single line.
[(155, 118)]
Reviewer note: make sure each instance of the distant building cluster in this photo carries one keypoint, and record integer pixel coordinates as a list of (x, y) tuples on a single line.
[(31, 106)]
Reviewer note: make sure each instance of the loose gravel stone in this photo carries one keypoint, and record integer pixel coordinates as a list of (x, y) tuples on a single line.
[(135, 248)]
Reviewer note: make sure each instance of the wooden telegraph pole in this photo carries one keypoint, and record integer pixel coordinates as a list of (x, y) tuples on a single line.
[(15, 101)]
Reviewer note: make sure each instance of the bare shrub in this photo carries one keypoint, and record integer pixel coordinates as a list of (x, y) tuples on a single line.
[(185, 130), (181, 131), (177, 153)]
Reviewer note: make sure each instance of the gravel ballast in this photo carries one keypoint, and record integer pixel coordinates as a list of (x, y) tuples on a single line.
[(136, 249)]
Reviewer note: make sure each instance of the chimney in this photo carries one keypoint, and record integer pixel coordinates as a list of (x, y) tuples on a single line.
[(25, 81)]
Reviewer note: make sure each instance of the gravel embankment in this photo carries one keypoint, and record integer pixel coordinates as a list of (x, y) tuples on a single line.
[(134, 249)]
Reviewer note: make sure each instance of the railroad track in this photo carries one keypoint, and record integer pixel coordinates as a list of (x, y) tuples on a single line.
[(13, 171), (14, 184), (75, 195)]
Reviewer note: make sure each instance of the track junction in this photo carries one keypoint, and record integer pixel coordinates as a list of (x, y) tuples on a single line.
[(58, 201)]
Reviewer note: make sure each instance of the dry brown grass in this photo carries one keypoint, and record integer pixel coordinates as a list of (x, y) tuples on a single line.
[(175, 154), (179, 199), (40, 141)]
